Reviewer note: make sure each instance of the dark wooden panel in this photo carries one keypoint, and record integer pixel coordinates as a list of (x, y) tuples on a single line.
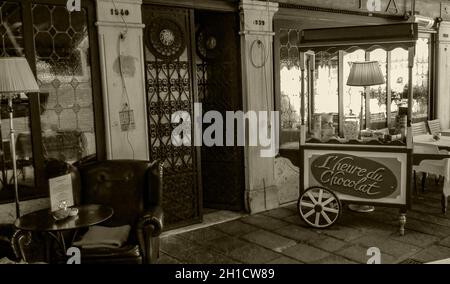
[(217, 5), (218, 76), (408, 31)]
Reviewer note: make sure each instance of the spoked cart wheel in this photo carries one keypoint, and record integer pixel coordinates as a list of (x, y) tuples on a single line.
[(319, 207)]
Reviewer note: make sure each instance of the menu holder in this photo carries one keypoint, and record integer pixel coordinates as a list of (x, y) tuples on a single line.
[(61, 191)]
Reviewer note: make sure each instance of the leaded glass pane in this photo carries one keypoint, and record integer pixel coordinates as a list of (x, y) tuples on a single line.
[(64, 76)]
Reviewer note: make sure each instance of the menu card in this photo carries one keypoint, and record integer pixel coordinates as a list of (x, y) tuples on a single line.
[(61, 190)]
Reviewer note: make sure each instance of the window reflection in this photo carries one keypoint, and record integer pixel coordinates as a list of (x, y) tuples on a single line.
[(353, 96), (421, 79), (324, 103), (11, 44), (377, 94), (290, 86)]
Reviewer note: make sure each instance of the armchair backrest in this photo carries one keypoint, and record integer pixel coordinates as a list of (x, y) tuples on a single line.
[(128, 186)]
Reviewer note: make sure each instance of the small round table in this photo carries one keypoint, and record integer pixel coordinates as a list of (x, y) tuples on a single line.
[(43, 221)]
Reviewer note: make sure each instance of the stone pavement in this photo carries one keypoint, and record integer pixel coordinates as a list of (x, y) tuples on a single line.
[(280, 237)]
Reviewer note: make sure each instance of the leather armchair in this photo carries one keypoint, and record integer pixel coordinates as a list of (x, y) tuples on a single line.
[(134, 190)]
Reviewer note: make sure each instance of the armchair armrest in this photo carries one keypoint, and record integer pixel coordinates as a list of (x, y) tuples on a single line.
[(149, 227), (154, 216)]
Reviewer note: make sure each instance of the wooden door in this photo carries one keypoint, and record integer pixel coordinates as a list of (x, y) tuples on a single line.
[(219, 85)]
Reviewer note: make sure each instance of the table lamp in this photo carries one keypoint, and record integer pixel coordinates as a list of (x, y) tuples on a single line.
[(16, 77), (364, 74)]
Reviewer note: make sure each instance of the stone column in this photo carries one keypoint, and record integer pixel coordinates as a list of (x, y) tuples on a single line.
[(443, 73), (257, 82), (121, 144)]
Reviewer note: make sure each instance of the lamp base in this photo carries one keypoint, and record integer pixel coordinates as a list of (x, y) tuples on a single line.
[(361, 208)]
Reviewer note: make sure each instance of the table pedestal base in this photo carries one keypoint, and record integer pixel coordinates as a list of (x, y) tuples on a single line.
[(361, 208)]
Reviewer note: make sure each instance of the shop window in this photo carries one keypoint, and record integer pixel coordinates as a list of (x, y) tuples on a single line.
[(62, 61)]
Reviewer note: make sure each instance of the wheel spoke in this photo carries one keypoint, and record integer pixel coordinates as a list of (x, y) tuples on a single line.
[(319, 200), (307, 204), (317, 219), (326, 217), (328, 201), (312, 197), (331, 210), (309, 213)]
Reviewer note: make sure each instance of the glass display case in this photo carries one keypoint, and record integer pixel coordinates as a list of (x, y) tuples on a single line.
[(356, 111)]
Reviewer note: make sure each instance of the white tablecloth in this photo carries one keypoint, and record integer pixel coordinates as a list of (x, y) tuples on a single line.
[(425, 144), (427, 139)]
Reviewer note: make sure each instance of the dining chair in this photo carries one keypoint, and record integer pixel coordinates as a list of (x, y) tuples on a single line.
[(434, 126), (419, 128), (440, 168)]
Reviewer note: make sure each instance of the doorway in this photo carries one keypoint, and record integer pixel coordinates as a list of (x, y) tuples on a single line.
[(193, 56)]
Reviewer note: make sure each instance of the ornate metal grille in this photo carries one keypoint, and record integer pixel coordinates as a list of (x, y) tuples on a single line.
[(169, 90)]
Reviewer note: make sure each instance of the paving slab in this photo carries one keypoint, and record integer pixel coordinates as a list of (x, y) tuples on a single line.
[(253, 254), (284, 260), (269, 240), (298, 233), (280, 213), (305, 253), (264, 222), (236, 228), (432, 253), (328, 243)]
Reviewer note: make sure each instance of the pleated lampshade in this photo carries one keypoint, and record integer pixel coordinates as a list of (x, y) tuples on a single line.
[(16, 76), (365, 74)]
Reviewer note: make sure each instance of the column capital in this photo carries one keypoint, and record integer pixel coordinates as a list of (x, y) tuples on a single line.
[(257, 16)]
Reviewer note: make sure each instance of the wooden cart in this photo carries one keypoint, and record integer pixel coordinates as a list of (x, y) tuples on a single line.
[(337, 171)]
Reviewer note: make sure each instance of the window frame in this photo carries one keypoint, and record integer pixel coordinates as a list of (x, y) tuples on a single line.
[(41, 189)]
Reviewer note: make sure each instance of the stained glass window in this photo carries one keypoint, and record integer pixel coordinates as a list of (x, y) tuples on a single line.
[(64, 76)]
